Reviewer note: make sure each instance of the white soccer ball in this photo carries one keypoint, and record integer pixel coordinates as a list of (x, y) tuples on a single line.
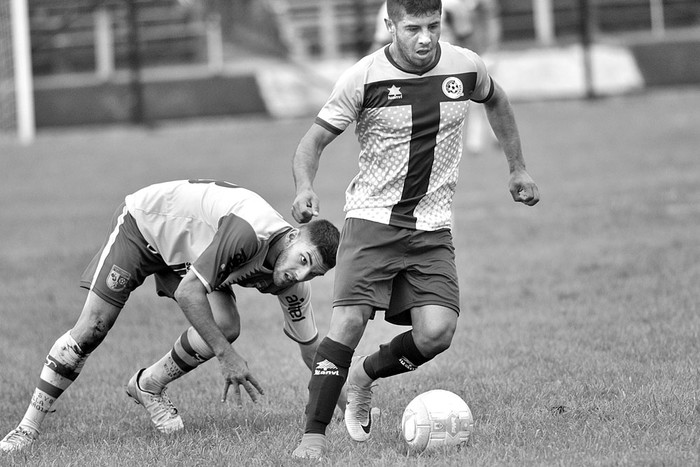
[(436, 418)]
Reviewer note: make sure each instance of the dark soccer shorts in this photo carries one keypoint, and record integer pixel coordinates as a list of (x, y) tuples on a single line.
[(395, 269), (124, 262)]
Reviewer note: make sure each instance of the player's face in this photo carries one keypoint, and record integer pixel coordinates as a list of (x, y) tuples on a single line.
[(415, 40), (299, 262)]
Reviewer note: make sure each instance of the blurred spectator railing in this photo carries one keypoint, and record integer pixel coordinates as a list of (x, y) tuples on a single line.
[(93, 35), (328, 28)]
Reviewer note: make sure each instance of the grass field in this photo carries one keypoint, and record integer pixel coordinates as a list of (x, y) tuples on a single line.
[(578, 344)]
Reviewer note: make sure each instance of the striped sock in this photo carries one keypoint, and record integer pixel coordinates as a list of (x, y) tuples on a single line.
[(63, 365), (188, 352)]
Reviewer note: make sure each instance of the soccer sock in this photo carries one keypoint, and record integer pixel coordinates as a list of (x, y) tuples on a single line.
[(188, 352), (330, 370), (398, 356), (63, 364)]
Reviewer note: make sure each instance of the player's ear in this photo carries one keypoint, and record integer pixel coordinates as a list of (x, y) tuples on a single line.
[(389, 26), (293, 235)]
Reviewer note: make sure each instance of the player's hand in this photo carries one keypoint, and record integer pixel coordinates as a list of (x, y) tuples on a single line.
[(523, 188), (236, 374), (305, 206)]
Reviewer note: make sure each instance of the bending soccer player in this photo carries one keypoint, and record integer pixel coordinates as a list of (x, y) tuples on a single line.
[(198, 238), (409, 100)]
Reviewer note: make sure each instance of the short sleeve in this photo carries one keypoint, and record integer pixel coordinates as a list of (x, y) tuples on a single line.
[(299, 322), (484, 87), (345, 102), (234, 244)]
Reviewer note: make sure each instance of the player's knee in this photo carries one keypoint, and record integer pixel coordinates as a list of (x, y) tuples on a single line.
[(348, 325), (231, 331), (94, 322), (434, 341), (91, 334)]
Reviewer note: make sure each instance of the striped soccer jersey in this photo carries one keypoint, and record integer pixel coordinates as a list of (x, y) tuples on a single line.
[(221, 232), (409, 127)]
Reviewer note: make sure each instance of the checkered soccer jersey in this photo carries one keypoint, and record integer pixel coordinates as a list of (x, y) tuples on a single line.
[(410, 131), (221, 232)]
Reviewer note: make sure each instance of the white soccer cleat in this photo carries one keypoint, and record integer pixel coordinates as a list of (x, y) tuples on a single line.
[(359, 414), (312, 446), (18, 439), (162, 411)]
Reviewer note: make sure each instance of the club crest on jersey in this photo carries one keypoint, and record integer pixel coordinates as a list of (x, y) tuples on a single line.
[(452, 87), (394, 93), (117, 278)]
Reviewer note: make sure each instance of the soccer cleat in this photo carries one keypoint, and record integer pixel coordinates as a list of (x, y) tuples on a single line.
[(312, 446), (18, 439), (162, 411), (359, 414)]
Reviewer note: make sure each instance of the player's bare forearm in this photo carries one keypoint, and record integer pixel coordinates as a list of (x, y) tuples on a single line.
[(306, 158), (191, 296), (304, 167), (502, 119)]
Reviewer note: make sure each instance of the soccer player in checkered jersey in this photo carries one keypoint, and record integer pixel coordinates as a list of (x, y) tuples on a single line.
[(409, 101), (198, 238)]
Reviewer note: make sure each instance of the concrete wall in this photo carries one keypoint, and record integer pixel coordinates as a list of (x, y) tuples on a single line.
[(111, 102), (668, 62)]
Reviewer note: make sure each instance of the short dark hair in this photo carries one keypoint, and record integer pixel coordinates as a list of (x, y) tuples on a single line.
[(412, 7), (325, 236)]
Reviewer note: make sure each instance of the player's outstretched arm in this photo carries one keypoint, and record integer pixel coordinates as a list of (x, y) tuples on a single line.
[(191, 296), (305, 163), (502, 120)]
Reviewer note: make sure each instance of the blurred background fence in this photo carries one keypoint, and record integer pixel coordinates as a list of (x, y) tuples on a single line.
[(84, 35), (108, 45)]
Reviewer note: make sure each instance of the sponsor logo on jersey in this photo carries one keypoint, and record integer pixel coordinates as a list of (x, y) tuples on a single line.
[(117, 278), (326, 368), (407, 364), (452, 87), (394, 93), (294, 304)]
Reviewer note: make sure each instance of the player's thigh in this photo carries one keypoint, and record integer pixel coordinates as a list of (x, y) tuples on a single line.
[(430, 278), (123, 262), (225, 313), (370, 255)]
